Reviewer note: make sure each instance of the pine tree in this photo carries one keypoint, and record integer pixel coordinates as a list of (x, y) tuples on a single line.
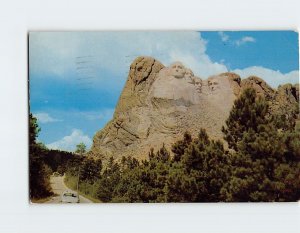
[(180, 186), (264, 160), (206, 161), (39, 172), (109, 180), (90, 170), (248, 112), (179, 147), (163, 154)]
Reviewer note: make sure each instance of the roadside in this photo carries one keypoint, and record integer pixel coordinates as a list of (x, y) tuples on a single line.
[(94, 200), (58, 187)]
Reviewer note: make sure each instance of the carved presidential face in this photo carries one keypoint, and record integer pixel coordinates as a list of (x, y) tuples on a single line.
[(198, 83), (189, 74), (213, 84), (177, 70)]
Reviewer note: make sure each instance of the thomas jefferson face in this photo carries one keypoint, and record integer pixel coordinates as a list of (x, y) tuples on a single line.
[(177, 70), (189, 74)]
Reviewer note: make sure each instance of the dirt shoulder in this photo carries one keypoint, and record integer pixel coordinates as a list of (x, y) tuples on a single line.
[(58, 187)]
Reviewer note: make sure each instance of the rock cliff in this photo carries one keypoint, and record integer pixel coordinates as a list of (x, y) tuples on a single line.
[(158, 104)]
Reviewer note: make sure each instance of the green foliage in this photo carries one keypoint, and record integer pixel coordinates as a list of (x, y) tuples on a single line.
[(90, 170), (39, 172), (207, 162), (58, 160), (179, 147), (33, 131), (248, 112), (110, 178), (261, 164), (43, 162), (265, 159), (163, 155), (84, 188), (80, 148), (180, 186), (197, 174), (86, 171)]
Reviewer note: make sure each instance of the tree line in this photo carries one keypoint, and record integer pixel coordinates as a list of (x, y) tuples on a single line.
[(43, 162), (259, 160)]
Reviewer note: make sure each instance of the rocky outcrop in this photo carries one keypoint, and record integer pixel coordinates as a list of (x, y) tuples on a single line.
[(259, 85), (285, 101), (143, 72), (158, 104)]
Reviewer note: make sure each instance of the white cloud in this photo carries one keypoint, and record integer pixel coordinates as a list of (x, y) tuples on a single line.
[(57, 52), (272, 77), (69, 142), (45, 117), (244, 40), (224, 37), (98, 115)]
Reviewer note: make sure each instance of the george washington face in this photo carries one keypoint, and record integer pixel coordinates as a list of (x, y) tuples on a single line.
[(177, 70)]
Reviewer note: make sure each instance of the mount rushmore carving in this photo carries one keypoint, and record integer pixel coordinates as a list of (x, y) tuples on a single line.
[(158, 104)]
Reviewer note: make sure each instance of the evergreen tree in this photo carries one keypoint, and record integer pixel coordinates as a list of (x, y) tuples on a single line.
[(179, 147), (80, 148), (163, 154), (39, 172), (265, 162), (181, 186), (109, 180), (207, 162), (90, 170), (248, 112)]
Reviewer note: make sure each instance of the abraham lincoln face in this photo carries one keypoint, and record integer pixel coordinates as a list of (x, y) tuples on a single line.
[(213, 84)]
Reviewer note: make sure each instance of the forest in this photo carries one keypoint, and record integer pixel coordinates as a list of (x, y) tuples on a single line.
[(258, 161)]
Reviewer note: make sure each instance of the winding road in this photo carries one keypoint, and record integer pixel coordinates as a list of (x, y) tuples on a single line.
[(58, 187)]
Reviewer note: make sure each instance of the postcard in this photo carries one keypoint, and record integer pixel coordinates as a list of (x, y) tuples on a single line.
[(164, 116)]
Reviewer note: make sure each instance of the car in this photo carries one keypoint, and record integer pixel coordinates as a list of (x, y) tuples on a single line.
[(55, 174), (69, 197)]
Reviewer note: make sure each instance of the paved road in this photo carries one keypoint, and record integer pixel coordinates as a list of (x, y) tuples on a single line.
[(58, 187)]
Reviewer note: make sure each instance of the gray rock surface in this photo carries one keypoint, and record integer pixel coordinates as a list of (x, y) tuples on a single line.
[(158, 104)]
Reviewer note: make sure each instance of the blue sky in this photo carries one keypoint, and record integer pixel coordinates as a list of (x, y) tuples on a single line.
[(76, 77), (275, 50)]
